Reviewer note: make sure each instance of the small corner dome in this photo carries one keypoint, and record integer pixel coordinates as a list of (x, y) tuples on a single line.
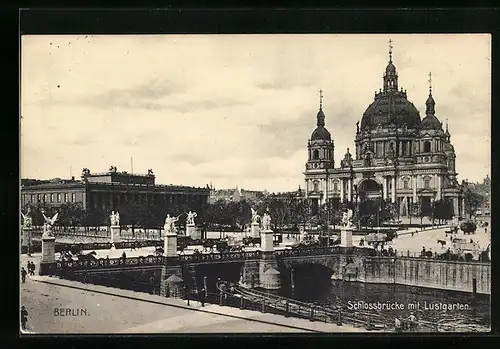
[(391, 68), (321, 134), (430, 122)]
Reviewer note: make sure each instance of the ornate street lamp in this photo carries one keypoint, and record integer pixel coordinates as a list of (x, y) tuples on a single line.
[(356, 206)]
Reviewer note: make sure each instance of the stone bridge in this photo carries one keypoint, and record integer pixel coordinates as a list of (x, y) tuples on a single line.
[(267, 269)]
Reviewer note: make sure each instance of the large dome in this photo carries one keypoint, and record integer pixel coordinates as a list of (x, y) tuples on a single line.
[(390, 108)]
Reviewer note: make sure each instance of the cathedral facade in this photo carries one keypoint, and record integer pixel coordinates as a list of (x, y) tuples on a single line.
[(398, 155)]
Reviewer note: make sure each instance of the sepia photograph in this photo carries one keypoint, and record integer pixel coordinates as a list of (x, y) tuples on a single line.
[(270, 183)]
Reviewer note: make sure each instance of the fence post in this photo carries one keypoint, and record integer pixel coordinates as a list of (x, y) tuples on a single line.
[(263, 305), (242, 305), (311, 317), (369, 325), (287, 309), (339, 319)]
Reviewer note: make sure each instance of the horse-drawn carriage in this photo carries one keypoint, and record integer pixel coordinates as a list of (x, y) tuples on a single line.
[(69, 256), (464, 250), (375, 238), (326, 240)]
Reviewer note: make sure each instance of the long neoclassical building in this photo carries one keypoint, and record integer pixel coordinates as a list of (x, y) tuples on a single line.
[(398, 155)]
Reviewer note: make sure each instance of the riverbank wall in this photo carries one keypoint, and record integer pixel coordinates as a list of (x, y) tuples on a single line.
[(470, 277)]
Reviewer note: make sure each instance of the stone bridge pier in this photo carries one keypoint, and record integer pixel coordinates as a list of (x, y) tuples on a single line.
[(262, 273), (171, 283)]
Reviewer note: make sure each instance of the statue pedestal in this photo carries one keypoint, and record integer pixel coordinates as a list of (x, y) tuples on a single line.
[(255, 230), (26, 243), (266, 240), (48, 255), (170, 245), (115, 233), (192, 232), (346, 236)]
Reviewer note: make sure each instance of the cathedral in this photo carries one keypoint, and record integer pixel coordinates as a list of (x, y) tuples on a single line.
[(398, 156)]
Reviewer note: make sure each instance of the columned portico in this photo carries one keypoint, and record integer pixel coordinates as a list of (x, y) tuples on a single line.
[(349, 190), (414, 187), (325, 191), (455, 206), (393, 189), (384, 183), (439, 178), (341, 190)]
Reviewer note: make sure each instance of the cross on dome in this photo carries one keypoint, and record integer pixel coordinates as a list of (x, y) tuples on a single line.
[(390, 50), (430, 82), (320, 99)]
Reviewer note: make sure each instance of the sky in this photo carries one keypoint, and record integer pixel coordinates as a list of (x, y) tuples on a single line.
[(234, 110)]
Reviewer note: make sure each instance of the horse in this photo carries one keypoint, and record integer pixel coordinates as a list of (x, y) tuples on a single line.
[(87, 256), (237, 248), (66, 256), (208, 244), (181, 249), (222, 246), (159, 251), (251, 241), (442, 242), (388, 239)]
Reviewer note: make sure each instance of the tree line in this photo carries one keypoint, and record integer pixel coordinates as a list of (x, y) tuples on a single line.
[(287, 212)]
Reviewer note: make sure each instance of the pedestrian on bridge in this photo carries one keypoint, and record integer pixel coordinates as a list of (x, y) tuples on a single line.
[(31, 269), (413, 322), (397, 325), (23, 275), (201, 296), (24, 317)]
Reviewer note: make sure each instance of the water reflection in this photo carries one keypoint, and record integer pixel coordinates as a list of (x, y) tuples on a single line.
[(420, 301)]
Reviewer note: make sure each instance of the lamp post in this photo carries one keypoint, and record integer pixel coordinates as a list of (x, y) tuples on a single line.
[(356, 206)]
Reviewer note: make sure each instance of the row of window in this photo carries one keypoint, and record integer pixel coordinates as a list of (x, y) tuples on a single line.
[(406, 184), (54, 197)]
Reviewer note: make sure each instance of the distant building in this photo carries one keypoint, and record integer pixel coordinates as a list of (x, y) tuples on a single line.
[(484, 190), (234, 195), (108, 190)]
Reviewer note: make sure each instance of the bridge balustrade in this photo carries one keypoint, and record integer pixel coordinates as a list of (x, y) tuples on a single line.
[(108, 263), (229, 256)]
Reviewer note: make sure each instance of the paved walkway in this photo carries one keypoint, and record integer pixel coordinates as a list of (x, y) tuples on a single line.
[(99, 309)]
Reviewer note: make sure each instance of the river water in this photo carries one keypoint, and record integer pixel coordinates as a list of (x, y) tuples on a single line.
[(474, 313)]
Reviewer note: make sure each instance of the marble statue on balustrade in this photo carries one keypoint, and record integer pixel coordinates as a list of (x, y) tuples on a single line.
[(266, 222), (49, 223), (347, 219), (114, 219), (190, 217), (170, 224), (27, 221), (255, 216)]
